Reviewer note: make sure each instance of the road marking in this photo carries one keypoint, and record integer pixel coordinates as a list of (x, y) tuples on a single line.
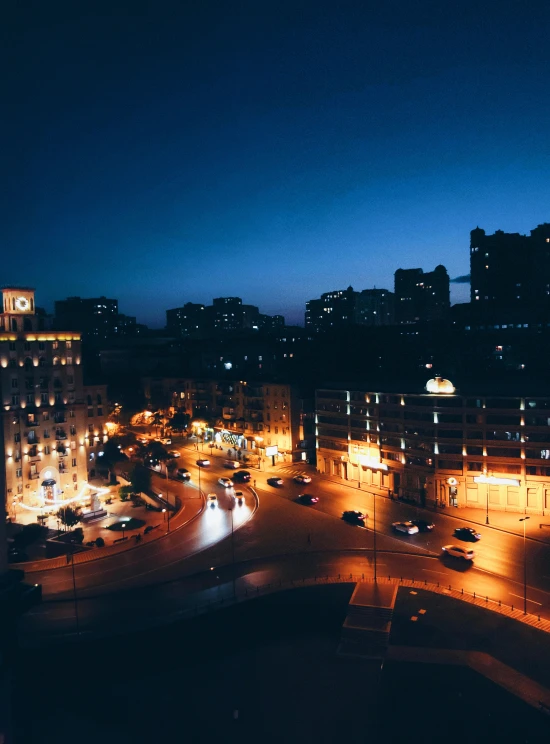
[(529, 600), (430, 570)]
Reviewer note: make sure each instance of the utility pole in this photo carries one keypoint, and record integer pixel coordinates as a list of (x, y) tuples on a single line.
[(374, 533)]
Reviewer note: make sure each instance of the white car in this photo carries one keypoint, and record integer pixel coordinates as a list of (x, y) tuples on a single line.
[(166, 440), (211, 499), (302, 479), (225, 482), (467, 554), (239, 496), (233, 464), (407, 527), (174, 453)]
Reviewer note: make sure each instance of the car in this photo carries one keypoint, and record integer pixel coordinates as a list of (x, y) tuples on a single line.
[(423, 525), (211, 499), (241, 476), (467, 533), (407, 527), (233, 464), (466, 554), (174, 453), (166, 440), (308, 498), (239, 496), (183, 474), (275, 481), (203, 463), (302, 479), (354, 517), (225, 482)]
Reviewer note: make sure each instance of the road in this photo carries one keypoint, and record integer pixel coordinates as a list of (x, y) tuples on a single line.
[(282, 540)]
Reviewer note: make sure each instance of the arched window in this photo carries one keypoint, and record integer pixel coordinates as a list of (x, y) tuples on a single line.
[(28, 364), (55, 361), (99, 398), (42, 362), (14, 324), (32, 304), (27, 325), (89, 400)]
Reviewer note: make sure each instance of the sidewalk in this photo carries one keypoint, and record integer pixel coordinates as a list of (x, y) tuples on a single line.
[(498, 520)]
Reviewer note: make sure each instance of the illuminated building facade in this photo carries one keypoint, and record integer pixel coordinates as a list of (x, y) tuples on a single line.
[(492, 453), (249, 415), (52, 426), (421, 296)]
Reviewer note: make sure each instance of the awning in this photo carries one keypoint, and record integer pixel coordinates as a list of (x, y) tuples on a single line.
[(48, 483)]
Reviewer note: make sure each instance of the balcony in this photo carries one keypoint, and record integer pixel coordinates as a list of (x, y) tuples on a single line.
[(255, 417), (59, 435), (34, 476), (32, 421), (32, 439)]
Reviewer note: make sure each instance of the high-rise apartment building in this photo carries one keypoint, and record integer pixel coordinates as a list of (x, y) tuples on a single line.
[(226, 315), (189, 321), (375, 307), (510, 270), (420, 296), (332, 311), (95, 318), (52, 425)]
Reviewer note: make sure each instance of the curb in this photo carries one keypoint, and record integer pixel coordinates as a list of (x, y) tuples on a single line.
[(442, 512)]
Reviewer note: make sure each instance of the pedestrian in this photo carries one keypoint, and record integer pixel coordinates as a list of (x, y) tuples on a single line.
[(254, 482), (309, 538)]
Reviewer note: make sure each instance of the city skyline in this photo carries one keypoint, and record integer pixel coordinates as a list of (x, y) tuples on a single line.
[(274, 154)]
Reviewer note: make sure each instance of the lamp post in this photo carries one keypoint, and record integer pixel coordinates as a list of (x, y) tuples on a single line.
[(231, 507), (524, 519), (374, 532), (487, 511)]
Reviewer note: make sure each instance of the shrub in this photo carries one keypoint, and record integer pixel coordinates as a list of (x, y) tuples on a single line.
[(100, 542)]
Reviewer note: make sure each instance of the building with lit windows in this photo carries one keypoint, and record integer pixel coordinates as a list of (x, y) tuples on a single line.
[(52, 425), (248, 415), (439, 447), (421, 296)]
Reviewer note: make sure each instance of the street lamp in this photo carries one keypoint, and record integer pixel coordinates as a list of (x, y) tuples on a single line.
[(231, 507), (374, 532), (524, 519)]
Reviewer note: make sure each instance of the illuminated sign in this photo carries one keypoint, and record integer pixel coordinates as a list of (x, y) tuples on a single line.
[(492, 481), (452, 481), (370, 462), (271, 451)]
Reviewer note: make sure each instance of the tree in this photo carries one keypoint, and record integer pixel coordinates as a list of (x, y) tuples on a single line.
[(171, 465), (68, 516), (140, 478), (180, 421), (111, 455), (29, 534), (100, 542), (125, 492), (157, 452)]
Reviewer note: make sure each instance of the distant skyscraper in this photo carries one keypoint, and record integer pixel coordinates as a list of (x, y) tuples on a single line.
[(375, 307), (510, 270), (96, 318), (421, 296), (332, 311), (189, 321)]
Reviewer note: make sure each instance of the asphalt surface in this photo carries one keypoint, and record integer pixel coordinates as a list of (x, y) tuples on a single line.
[(281, 541)]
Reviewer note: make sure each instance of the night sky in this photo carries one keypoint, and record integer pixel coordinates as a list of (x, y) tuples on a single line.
[(161, 153)]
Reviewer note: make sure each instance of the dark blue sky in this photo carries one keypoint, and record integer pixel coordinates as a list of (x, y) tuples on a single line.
[(169, 152)]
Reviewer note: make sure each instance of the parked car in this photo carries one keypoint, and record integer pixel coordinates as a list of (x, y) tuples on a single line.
[(302, 479), (239, 496), (202, 463), (241, 476), (308, 498), (467, 533), (183, 474), (166, 440), (407, 527), (466, 554), (211, 499), (233, 464), (225, 482), (174, 453), (275, 481), (423, 525), (354, 517)]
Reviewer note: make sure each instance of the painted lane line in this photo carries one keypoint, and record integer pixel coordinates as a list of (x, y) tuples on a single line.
[(430, 570), (529, 600)]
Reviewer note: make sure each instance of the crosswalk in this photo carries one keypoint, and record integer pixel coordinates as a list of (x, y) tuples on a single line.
[(293, 470)]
